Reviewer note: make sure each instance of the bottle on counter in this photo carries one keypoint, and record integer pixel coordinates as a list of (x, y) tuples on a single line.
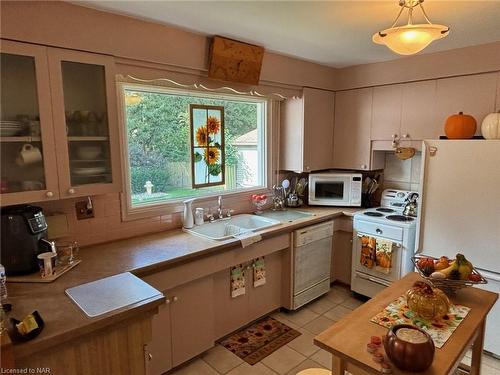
[(198, 216), (188, 219), (3, 284)]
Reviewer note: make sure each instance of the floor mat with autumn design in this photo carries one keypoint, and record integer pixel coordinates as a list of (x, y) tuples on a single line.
[(259, 340)]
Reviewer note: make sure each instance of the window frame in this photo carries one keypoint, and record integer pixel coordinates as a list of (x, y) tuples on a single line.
[(270, 129)]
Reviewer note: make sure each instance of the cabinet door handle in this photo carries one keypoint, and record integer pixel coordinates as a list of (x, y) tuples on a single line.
[(150, 356), (167, 301), (49, 194), (175, 299), (406, 135), (363, 166), (71, 191)]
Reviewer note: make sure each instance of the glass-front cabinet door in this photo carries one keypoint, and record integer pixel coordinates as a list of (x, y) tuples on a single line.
[(84, 106), (28, 160)]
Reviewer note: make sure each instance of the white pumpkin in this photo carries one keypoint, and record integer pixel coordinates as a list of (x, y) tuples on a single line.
[(490, 128)]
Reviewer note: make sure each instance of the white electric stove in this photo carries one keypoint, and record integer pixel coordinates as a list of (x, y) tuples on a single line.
[(385, 222)]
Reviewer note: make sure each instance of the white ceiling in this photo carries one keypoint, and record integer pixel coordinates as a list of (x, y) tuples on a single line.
[(334, 33)]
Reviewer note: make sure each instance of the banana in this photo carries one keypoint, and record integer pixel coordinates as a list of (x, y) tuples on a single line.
[(464, 267), (459, 269), (452, 271)]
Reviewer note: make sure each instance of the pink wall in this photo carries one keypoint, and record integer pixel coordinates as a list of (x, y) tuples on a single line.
[(70, 26), (469, 60)]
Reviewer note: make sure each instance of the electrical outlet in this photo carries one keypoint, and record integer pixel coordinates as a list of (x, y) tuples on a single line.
[(83, 211)]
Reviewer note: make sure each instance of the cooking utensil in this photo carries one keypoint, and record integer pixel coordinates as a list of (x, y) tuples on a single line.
[(285, 184)]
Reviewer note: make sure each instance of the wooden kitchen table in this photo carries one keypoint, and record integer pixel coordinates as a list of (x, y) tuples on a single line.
[(346, 340)]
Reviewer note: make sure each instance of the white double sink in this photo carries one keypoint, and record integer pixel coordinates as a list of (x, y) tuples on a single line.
[(227, 228)]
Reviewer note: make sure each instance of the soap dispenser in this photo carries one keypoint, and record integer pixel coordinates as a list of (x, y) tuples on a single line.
[(188, 220)]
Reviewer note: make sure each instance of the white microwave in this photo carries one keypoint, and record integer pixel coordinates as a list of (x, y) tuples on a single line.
[(335, 189)]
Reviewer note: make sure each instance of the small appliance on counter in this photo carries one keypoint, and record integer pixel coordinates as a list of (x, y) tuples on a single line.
[(335, 189), (24, 236)]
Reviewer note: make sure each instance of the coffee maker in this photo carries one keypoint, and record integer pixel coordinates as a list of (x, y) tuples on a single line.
[(24, 236)]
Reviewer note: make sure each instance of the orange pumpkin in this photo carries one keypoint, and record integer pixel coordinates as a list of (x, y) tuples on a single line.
[(460, 126)]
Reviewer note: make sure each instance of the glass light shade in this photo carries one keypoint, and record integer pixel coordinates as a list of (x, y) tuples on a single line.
[(410, 39)]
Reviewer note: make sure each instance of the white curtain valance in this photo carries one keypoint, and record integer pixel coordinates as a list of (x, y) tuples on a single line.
[(166, 82)]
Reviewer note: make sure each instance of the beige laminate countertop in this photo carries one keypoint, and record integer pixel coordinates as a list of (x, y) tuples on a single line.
[(140, 255)]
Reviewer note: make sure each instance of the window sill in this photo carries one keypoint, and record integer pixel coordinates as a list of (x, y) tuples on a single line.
[(237, 201)]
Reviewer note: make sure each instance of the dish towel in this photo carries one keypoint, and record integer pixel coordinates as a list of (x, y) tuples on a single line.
[(368, 251), (247, 239), (237, 281), (384, 255), (259, 272)]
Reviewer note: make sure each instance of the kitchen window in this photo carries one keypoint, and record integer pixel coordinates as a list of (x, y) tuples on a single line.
[(158, 145)]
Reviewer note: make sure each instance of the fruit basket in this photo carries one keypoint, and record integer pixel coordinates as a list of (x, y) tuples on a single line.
[(449, 286)]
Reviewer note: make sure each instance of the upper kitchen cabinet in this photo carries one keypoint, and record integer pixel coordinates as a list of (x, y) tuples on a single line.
[(84, 111), (386, 113), (26, 133), (417, 111), (58, 126), (404, 112), (353, 115), (307, 131), (497, 108), (473, 95)]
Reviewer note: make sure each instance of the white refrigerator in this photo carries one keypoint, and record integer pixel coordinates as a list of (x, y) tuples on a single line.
[(460, 211)]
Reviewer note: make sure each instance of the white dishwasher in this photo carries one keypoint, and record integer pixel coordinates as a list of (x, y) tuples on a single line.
[(312, 251)]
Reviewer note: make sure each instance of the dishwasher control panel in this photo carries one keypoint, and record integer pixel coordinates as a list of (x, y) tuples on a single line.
[(313, 233)]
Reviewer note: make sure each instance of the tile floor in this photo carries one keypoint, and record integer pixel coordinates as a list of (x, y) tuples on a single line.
[(300, 353)]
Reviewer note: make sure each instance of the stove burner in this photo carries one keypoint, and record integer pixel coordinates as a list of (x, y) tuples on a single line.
[(372, 213), (386, 210), (406, 219)]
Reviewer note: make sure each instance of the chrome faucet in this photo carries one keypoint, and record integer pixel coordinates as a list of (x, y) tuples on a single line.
[(219, 209)]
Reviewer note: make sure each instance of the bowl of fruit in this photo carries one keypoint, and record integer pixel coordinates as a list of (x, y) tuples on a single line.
[(259, 201), (447, 274)]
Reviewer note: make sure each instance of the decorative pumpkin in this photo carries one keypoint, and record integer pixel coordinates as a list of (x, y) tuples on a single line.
[(490, 128), (409, 348), (460, 126), (426, 301)]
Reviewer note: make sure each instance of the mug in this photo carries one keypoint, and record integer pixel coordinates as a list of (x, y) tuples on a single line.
[(47, 264), (29, 154), (32, 185), (66, 252)]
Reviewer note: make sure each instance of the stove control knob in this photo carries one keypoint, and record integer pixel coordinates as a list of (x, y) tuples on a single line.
[(379, 231)]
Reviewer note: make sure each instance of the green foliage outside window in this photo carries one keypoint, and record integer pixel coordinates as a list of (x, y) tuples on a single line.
[(158, 140)]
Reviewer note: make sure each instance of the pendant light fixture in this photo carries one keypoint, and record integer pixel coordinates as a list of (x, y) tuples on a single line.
[(410, 38)]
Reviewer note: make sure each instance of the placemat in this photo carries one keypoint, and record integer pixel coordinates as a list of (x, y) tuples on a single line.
[(440, 330)]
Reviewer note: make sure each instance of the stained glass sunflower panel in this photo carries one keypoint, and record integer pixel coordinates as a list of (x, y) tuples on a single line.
[(207, 140)]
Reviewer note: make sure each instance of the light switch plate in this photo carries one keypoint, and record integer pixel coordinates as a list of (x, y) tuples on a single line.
[(82, 210)]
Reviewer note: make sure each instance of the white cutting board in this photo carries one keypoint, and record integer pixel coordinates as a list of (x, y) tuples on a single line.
[(111, 293)]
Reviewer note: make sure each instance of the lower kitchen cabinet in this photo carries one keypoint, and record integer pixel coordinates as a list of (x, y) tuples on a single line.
[(159, 350), (233, 313), (192, 319), (267, 297), (184, 326), (342, 251)]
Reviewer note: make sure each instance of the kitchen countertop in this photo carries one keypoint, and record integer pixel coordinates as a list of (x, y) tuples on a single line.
[(140, 255)]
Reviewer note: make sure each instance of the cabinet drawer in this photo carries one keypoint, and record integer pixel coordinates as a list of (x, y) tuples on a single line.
[(381, 230)]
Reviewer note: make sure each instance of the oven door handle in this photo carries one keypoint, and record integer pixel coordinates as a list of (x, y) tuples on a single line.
[(372, 279), (398, 244)]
